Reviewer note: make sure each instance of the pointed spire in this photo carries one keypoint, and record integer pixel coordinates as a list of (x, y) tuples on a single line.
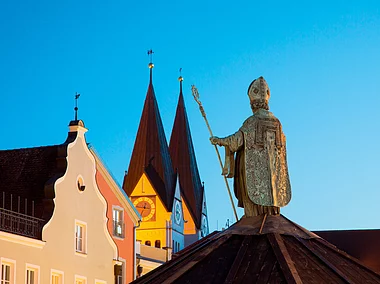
[(151, 153), (183, 157)]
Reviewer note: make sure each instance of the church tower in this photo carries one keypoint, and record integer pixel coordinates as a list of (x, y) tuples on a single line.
[(184, 162), (151, 182)]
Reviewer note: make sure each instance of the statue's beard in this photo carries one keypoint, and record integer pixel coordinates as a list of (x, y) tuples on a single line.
[(259, 105)]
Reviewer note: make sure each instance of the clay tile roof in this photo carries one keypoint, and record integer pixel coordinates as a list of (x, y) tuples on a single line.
[(151, 154), (283, 252), (184, 162), (27, 173)]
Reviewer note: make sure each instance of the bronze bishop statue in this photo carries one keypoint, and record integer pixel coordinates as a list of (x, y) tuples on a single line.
[(260, 171)]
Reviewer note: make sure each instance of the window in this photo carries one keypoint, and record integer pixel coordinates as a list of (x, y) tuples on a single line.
[(7, 271), (32, 274), (56, 277), (80, 237), (80, 279), (80, 183), (118, 270), (157, 244), (147, 243), (176, 246), (118, 222)]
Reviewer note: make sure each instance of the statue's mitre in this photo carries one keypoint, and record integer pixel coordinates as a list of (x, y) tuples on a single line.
[(259, 94)]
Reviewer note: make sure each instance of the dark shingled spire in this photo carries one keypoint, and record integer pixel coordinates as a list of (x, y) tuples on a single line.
[(184, 161), (151, 154)]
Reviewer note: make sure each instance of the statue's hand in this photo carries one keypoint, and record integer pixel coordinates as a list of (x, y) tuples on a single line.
[(215, 140)]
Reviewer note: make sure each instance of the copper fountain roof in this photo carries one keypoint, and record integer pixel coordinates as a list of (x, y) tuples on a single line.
[(250, 251)]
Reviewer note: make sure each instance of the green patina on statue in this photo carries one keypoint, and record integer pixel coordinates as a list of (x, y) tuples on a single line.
[(260, 171)]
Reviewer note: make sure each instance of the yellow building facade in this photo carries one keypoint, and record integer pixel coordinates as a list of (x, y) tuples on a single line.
[(154, 216)]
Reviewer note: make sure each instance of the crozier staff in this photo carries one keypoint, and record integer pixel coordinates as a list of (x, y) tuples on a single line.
[(260, 171)]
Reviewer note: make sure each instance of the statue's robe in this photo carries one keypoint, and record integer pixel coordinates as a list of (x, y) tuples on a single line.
[(261, 179)]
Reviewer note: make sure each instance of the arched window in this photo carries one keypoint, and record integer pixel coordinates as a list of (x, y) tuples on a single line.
[(147, 243), (157, 244)]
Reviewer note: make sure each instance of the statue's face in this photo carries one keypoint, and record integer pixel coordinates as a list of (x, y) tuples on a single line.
[(259, 90)]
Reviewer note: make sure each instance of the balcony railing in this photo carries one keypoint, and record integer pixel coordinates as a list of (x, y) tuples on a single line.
[(20, 224), (118, 229)]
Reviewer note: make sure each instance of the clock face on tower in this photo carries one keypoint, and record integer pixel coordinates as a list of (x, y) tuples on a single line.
[(146, 207), (177, 212)]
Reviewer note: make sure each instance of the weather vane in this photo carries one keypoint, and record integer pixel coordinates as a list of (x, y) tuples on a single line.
[(150, 54), (180, 78), (76, 105)]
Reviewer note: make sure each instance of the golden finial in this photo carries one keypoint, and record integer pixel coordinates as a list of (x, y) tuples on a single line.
[(180, 78), (150, 53), (150, 65)]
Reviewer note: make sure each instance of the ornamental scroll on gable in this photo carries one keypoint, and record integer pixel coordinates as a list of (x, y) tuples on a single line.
[(259, 168)]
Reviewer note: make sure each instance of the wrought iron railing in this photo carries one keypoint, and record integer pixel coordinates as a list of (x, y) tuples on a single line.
[(118, 228), (20, 224)]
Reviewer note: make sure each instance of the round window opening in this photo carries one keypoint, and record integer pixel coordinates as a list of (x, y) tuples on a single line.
[(80, 184)]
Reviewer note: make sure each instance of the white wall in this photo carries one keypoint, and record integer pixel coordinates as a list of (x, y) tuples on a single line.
[(57, 251)]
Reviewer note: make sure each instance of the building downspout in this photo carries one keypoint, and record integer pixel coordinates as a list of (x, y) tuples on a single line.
[(134, 249)]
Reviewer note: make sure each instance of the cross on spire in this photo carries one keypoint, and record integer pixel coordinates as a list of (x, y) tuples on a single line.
[(76, 105), (180, 79), (150, 65)]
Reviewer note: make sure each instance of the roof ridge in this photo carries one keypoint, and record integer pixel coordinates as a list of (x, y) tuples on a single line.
[(343, 253), (30, 148)]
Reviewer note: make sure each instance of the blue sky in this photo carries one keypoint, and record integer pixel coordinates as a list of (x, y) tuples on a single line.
[(320, 59)]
